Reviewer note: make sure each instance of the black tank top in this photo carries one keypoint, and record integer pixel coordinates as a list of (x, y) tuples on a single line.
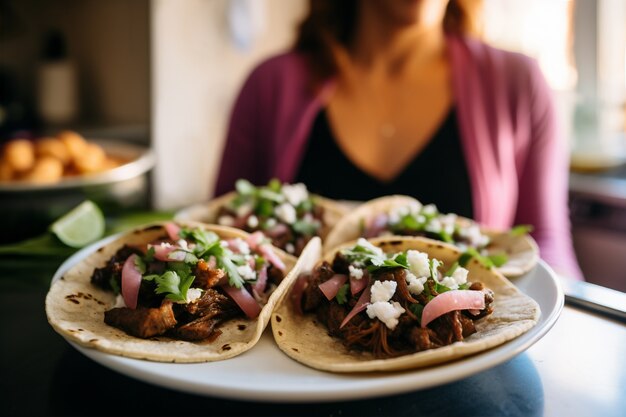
[(438, 174)]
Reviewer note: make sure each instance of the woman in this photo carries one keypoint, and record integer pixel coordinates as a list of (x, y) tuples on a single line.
[(392, 96)]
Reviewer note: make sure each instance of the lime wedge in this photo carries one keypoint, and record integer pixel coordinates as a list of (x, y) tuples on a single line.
[(80, 226)]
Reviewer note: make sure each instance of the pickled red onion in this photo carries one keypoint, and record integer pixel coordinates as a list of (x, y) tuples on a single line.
[(268, 252), (131, 281), (244, 300), (168, 253), (173, 231), (361, 304), (451, 301), (357, 285), (331, 287), (261, 280)]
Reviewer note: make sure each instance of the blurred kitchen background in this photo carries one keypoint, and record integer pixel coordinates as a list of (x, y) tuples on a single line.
[(164, 73)]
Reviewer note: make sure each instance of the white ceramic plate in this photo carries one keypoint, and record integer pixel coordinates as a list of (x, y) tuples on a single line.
[(264, 373)]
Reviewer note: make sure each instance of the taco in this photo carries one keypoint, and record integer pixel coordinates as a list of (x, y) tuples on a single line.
[(172, 292), (286, 213), (513, 251), (388, 304)]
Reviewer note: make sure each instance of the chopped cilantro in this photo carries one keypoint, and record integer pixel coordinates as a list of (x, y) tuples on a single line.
[(398, 261), (487, 261), (467, 256), (140, 265), (264, 208), (245, 187), (306, 206), (172, 285), (434, 268), (149, 257), (342, 294), (498, 259), (267, 194), (234, 278), (452, 269), (305, 228), (417, 309), (445, 237), (409, 222), (521, 229), (201, 237), (275, 185), (114, 285)]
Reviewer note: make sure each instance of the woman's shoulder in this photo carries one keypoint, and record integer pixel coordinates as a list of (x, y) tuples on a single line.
[(285, 68), (520, 70), (510, 71)]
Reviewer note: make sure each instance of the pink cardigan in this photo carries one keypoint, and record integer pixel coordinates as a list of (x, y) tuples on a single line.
[(517, 161)]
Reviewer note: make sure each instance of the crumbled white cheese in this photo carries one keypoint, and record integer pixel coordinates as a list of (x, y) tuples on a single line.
[(386, 312), (448, 222), (271, 222), (474, 236), (434, 226), (383, 291), (193, 294), (290, 248), (244, 209), (253, 221), (246, 272), (414, 207), (356, 273), (286, 213), (415, 284), (369, 247), (119, 301), (397, 213), (295, 193), (429, 209), (418, 263), (459, 277), (226, 220)]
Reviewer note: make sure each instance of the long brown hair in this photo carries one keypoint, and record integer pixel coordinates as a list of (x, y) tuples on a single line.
[(334, 21)]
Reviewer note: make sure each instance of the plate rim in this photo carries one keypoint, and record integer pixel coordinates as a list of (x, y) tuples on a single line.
[(358, 386)]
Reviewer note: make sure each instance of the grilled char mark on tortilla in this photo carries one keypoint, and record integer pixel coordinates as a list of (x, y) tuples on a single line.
[(364, 334), (154, 315)]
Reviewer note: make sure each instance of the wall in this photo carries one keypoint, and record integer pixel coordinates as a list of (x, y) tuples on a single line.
[(108, 41), (197, 71)]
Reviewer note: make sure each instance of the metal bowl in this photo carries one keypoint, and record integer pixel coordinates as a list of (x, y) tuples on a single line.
[(27, 210)]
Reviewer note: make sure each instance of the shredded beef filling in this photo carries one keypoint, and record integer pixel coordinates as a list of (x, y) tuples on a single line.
[(155, 316), (363, 333)]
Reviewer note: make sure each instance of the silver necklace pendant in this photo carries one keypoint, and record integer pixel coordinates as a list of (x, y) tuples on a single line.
[(387, 130)]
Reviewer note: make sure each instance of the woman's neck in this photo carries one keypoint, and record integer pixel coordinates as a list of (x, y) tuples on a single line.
[(384, 45)]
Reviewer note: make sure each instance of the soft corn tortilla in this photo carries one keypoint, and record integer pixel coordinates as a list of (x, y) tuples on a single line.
[(522, 251), (307, 341), (75, 308), (207, 212)]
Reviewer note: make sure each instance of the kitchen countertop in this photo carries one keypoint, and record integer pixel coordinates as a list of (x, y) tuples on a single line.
[(577, 369)]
